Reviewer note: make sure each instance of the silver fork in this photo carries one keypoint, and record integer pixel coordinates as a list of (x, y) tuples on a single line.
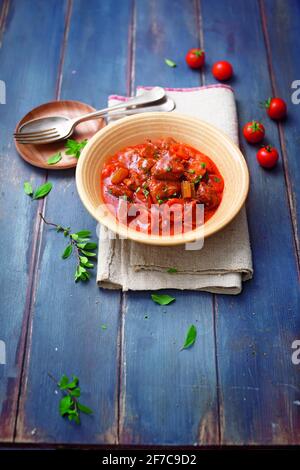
[(50, 129)]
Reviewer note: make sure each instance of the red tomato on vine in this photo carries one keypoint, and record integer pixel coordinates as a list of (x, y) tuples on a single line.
[(267, 156), (276, 108), (195, 58), (254, 132)]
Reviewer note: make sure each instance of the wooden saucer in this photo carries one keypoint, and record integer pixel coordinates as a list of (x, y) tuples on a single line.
[(38, 155)]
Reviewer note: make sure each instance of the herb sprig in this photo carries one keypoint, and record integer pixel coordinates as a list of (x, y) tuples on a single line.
[(74, 148), (69, 404), (81, 245)]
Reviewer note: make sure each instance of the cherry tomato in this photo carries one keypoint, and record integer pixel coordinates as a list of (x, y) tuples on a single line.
[(195, 58), (222, 70), (267, 156), (276, 108), (254, 132)]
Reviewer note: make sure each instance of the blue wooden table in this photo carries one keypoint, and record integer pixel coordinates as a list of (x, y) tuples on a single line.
[(238, 384)]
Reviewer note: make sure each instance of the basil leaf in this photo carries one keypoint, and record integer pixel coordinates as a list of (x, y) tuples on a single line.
[(190, 337), (67, 252), (162, 299), (170, 63), (28, 188), (42, 190), (54, 159)]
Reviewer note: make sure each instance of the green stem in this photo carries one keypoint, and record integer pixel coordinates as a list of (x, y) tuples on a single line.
[(52, 224)]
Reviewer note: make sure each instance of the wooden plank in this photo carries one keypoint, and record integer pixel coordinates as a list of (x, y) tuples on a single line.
[(66, 335), (259, 385), (21, 71), (167, 396), (281, 21)]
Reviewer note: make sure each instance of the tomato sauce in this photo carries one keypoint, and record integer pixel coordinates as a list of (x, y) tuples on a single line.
[(161, 173)]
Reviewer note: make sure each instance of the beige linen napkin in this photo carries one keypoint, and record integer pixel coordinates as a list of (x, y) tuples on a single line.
[(224, 261)]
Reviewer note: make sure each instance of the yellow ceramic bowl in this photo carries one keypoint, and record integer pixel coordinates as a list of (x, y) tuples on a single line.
[(136, 129)]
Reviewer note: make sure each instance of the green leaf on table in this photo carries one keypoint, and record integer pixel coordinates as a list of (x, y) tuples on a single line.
[(89, 254), (172, 270), (85, 262), (190, 337), (75, 392), (65, 383), (69, 406), (74, 382), (76, 244), (89, 265), (73, 415), (28, 188), (88, 245), (162, 299), (74, 148), (170, 63), (81, 274), (42, 190), (68, 251), (65, 405), (83, 233), (84, 409), (54, 158)]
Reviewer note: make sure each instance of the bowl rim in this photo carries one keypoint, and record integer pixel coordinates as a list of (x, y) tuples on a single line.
[(190, 236)]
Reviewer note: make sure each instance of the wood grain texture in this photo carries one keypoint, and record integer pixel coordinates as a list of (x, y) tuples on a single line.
[(237, 385), (259, 385), (65, 334), (18, 213), (281, 21), (167, 396)]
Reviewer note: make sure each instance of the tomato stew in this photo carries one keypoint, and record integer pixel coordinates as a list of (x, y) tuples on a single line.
[(161, 173)]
